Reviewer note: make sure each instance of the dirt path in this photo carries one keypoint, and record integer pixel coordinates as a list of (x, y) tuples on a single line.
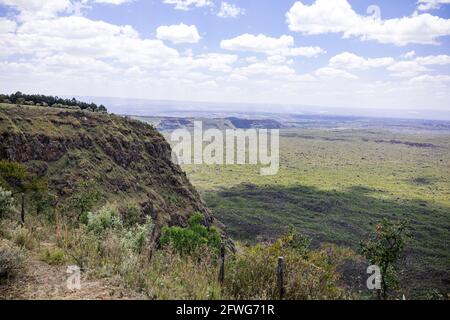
[(42, 281)]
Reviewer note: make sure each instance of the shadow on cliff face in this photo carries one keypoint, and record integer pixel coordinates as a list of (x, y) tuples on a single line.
[(254, 213)]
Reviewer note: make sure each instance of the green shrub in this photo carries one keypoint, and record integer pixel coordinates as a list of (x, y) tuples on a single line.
[(53, 256), (6, 227), (188, 240), (106, 218), (251, 273), (85, 197), (111, 251), (79, 246), (84, 217), (136, 239), (384, 249), (11, 262), (23, 238), (6, 201), (133, 272), (103, 244), (131, 215), (296, 241)]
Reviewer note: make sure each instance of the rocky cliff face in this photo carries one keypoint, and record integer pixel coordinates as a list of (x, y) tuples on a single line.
[(127, 159)]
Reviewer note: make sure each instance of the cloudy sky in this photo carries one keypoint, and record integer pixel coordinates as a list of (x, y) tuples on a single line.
[(339, 53)]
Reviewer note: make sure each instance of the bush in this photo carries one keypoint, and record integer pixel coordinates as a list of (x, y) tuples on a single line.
[(133, 271), (106, 218), (11, 262), (53, 256), (191, 272), (84, 198), (6, 202), (80, 246), (111, 251), (103, 242), (296, 241), (136, 239), (131, 215), (188, 240), (251, 273), (6, 227), (384, 249), (23, 238)]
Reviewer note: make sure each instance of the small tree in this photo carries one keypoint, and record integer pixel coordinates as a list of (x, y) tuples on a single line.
[(84, 198), (6, 201), (38, 188), (296, 240), (188, 240), (384, 250), (15, 176)]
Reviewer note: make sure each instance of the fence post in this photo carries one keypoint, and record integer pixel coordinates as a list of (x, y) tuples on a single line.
[(22, 209), (280, 277), (222, 265)]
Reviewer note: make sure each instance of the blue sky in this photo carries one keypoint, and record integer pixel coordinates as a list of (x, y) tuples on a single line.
[(310, 52), (262, 17)]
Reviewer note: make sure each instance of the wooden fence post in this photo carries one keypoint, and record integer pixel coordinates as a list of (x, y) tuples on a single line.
[(378, 294), (22, 209), (280, 277), (222, 265)]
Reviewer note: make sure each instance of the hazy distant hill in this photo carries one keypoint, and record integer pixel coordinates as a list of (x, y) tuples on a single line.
[(173, 123)]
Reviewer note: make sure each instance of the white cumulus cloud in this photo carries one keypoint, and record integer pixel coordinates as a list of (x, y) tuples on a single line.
[(329, 73), (426, 78), (261, 43), (338, 16), (114, 2), (188, 4), (441, 59), (407, 69), (38, 9), (229, 10), (426, 5), (409, 55), (180, 33), (7, 25), (347, 60), (411, 68)]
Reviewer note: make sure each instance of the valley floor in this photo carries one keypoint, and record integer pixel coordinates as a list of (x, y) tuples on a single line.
[(335, 184)]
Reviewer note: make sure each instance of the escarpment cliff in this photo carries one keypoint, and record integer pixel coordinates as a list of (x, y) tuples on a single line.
[(127, 160)]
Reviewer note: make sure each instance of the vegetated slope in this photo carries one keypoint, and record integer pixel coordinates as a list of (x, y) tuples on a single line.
[(127, 160)]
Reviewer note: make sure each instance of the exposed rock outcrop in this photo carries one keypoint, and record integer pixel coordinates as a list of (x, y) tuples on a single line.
[(128, 159)]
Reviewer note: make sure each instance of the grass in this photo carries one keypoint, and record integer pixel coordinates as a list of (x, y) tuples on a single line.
[(333, 185), (53, 256), (11, 262), (110, 254)]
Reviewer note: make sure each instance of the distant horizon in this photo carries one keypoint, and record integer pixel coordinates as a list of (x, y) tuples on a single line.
[(120, 105), (148, 107)]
